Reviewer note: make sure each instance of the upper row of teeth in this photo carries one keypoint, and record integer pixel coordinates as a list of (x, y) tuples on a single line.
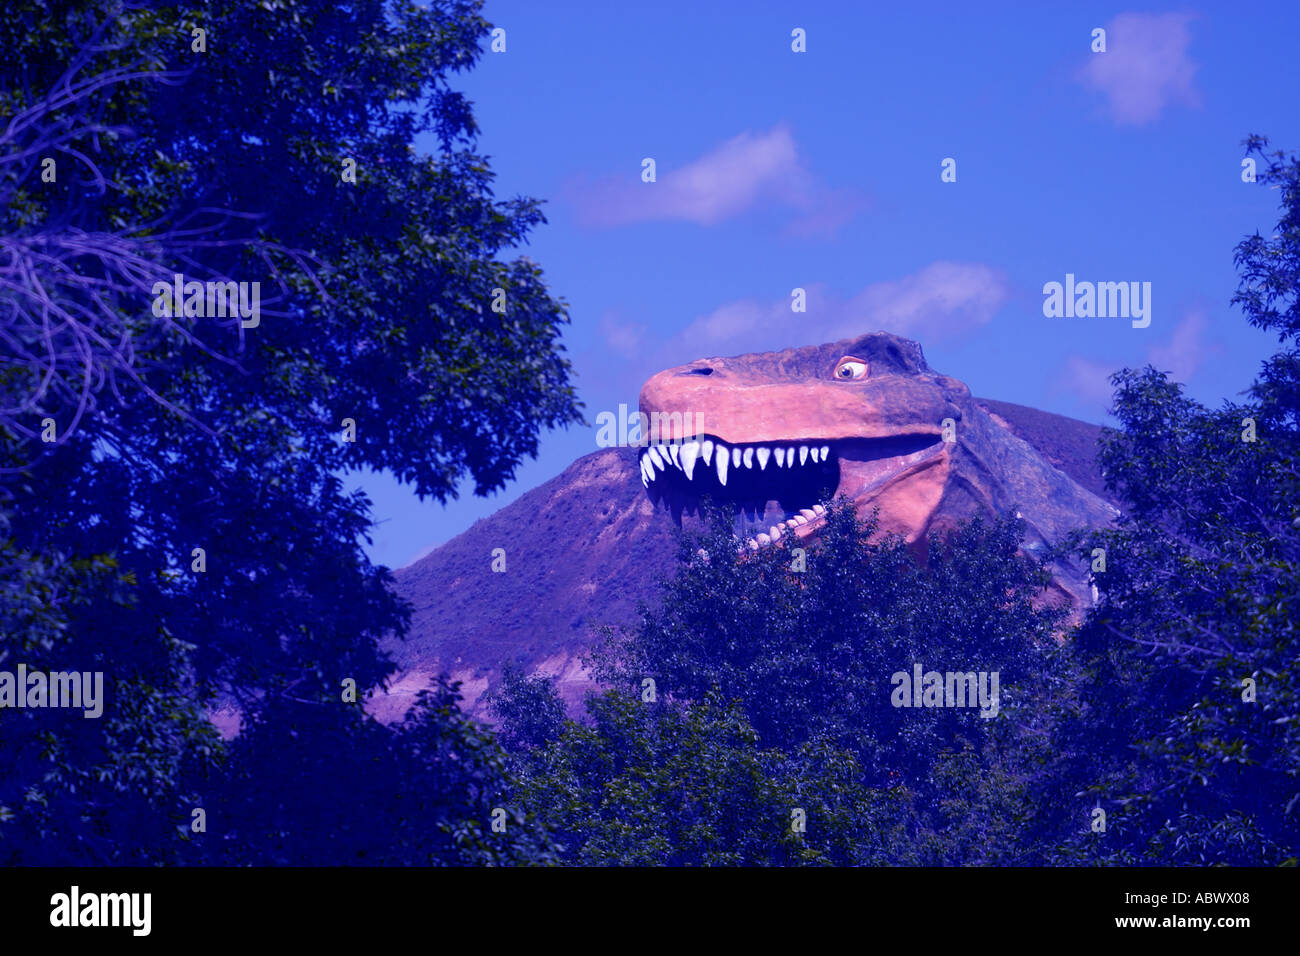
[(686, 455)]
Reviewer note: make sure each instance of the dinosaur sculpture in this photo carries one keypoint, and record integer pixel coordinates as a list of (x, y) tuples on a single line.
[(866, 418), (588, 545)]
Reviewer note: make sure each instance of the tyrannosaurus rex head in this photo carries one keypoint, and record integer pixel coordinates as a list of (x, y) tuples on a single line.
[(775, 433)]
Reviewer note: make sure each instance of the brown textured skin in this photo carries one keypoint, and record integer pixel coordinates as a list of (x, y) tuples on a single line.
[(791, 395)]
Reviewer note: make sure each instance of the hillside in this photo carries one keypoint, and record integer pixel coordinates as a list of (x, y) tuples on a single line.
[(581, 550)]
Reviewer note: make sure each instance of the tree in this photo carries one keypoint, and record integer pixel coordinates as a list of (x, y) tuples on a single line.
[(323, 787), (667, 783), (531, 714), (1267, 293), (1185, 728), (774, 689), (812, 653), (190, 501)]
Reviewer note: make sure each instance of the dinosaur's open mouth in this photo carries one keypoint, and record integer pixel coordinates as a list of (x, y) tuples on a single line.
[(762, 481)]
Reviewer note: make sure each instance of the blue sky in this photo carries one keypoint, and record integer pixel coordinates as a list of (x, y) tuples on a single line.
[(821, 170)]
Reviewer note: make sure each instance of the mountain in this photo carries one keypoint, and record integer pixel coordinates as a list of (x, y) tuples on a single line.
[(582, 549)]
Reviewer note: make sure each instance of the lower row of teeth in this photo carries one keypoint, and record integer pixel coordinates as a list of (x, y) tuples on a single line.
[(775, 532), (686, 456)]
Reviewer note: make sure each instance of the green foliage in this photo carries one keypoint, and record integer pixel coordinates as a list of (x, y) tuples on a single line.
[(811, 653), (202, 434), (676, 785), (94, 791), (775, 692), (1199, 596), (530, 712), (328, 786), (1269, 291)]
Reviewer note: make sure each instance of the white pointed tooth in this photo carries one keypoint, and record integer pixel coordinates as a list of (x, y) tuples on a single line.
[(819, 509), (798, 519), (753, 545), (735, 458), (780, 458), (826, 452), (654, 456), (803, 454), (808, 513), (641, 463), (775, 532), (723, 461), (707, 450), (748, 458), (644, 480), (672, 450), (689, 451), (762, 538), (763, 454), (815, 454)]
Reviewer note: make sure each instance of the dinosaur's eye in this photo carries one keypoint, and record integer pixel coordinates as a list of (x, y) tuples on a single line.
[(848, 369)]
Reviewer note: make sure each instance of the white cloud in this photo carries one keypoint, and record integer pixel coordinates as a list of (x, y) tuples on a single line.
[(1146, 66), (1182, 356), (622, 337), (727, 181), (1088, 379), (942, 299), (1186, 351)]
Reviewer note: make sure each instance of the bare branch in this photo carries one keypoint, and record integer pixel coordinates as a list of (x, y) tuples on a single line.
[(75, 314)]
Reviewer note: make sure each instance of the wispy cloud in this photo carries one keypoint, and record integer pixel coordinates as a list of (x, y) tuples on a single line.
[(1146, 66), (623, 337), (746, 171), (1186, 351), (1088, 379), (942, 299), (1182, 356)]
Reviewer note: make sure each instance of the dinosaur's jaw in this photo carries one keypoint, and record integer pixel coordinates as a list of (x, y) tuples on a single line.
[(779, 485)]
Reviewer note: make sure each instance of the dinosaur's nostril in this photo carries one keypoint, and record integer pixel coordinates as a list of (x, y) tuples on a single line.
[(700, 370)]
